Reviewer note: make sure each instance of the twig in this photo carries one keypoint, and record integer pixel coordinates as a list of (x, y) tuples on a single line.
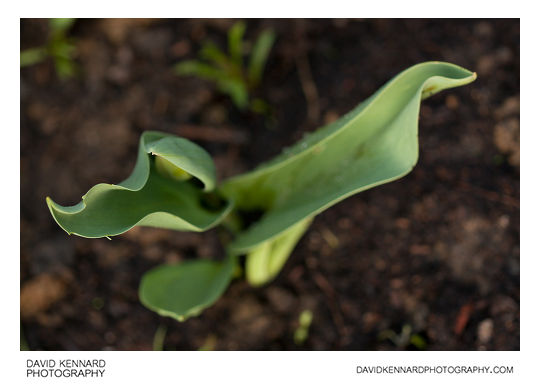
[(308, 86), (332, 301), (489, 195), (463, 318)]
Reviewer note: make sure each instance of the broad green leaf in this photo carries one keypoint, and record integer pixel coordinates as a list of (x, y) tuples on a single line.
[(375, 143), (265, 261), (184, 290), (259, 55), (146, 197)]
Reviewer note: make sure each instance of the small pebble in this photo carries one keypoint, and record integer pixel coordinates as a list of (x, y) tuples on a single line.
[(485, 331)]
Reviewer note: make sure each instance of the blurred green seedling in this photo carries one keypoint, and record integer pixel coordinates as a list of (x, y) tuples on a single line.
[(209, 343), (59, 47), (24, 343), (159, 338), (405, 338), (228, 70), (264, 213), (302, 331)]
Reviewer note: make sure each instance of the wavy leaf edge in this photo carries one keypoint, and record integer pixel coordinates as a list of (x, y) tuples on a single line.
[(150, 144), (431, 85)]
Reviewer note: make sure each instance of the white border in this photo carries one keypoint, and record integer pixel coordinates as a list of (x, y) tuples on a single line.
[(262, 367), (275, 367)]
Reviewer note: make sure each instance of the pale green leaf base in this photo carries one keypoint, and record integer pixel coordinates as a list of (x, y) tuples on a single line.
[(265, 261)]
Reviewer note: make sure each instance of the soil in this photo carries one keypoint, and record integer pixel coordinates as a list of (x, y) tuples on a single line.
[(430, 261)]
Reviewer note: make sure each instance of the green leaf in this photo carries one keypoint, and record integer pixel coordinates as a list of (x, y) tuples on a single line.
[(375, 143), (260, 106), (183, 154), (146, 197), (259, 55), (33, 56), (65, 68), (61, 25), (227, 83), (184, 290), (168, 169), (237, 91), (62, 48), (265, 261), (304, 322), (200, 69), (235, 41), (212, 53)]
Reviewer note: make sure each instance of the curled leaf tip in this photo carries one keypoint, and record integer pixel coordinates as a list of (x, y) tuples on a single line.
[(148, 197), (375, 143)]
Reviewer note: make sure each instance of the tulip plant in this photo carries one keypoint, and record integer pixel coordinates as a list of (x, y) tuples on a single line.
[(173, 185)]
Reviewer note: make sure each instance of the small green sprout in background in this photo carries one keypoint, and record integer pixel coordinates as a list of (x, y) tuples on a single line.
[(159, 338), (59, 47), (228, 71), (304, 322), (209, 343), (405, 338), (98, 303), (24, 343)]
